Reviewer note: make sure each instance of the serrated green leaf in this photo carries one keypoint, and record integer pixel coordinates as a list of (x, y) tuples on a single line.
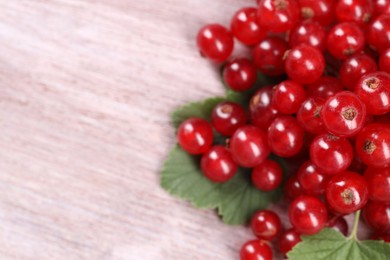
[(332, 245), (236, 200)]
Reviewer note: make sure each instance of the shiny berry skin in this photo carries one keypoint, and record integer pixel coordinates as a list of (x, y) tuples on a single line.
[(215, 42), (268, 56), (227, 117), (381, 7), (324, 87), (339, 224), (293, 188), (373, 145), (321, 11), (267, 176), (344, 114), (245, 28), (374, 90), (309, 115), (304, 64), (195, 135), (249, 146), (288, 96), (239, 74), (346, 192), (311, 179), (285, 136), (377, 215), (331, 154), (256, 250), (345, 39), (266, 224), (378, 183), (359, 11), (377, 35), (288, 240), (354, 67), (262, 111), (218, 165), (308, 214), (384, 61), (278, 15), (310, 33)]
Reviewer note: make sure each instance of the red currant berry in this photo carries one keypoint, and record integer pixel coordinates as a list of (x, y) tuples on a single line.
[(227, 117), (322, 11), (355, 67), (374, 90), (267, 176), (339, 224), (278, 15), (249, 146), (310, 33), (215, 42), (245, 28), (293, 188), (285, 136), (256, 250), (239, 74), (378, 182), (373, 145), (288, 96), (262, 111), (344, 114), (309, 115), (345, 39), (266, 224), (381, 7), (268, 56), (304, 64), (331, 154), (377, 33), (377, 215), (346, 192), (324, 87), (288, 240), (218, 165), (308, 214), (312, 181), (359, 11), (195, 135), (384, 60)]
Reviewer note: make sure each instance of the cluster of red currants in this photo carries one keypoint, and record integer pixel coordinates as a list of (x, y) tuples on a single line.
[(331, 115)]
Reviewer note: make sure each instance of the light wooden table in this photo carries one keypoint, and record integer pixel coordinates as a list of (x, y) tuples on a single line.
[(86, 90)]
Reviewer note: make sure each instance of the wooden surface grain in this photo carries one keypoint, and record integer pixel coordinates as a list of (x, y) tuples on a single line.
[(86, 90)]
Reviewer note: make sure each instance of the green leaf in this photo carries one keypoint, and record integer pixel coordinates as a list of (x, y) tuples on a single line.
[(332, 245), (236, 200)]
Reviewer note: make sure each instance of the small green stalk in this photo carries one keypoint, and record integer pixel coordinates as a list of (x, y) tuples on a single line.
[(353, 234)]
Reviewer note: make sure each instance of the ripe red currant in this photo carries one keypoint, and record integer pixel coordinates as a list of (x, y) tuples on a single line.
[(266, 224), (331, 154), (322, 11), (339, 224), (195, 135), (245, 28), (359, 11), (288, 96), (381, 7), (267, 176), (262, 111), (308, 32), (346, 192), (384, 60), (215, 42), (377, 33), (293, 188), (344, 114), (309, 115), (288, 240), (311, 179), (324, 87), (218, 165), (268, 56), (373, 145), (239, 74), (378, 183), (256, 250), (227, 117), (304, 64), (249, 146), (308, 214), (377, 215)]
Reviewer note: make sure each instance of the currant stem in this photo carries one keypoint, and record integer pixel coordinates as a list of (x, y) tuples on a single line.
[(353, 234)]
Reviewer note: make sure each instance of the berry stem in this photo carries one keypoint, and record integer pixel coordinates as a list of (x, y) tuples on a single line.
[(353, 234)]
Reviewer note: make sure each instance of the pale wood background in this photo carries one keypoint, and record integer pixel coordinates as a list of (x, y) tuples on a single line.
[(86, 89)]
